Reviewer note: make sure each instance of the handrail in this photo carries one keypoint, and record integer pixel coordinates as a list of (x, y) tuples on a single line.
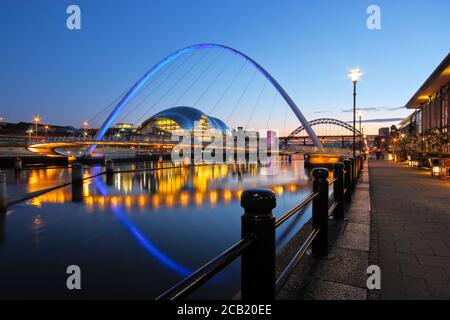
[(207, 271), (263, 242), (297, 208), (332, 181), (295, 260), (332, 208)]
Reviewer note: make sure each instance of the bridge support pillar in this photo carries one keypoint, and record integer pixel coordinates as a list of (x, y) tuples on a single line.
[(258, 261), (77, 174), (109, 165), (3, 200), (17, 164)]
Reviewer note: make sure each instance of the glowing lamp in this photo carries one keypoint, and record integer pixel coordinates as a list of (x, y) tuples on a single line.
[(435, 168), (354, 75)]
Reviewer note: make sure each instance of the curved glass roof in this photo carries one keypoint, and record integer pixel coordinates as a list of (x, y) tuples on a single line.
[(186, 117)]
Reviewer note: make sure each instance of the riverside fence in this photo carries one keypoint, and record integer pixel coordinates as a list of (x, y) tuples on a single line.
[(257, 247)]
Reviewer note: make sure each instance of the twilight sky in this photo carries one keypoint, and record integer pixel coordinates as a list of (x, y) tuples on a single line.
[(68, 76)]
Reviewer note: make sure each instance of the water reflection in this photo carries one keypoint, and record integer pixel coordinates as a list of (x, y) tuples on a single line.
[(155, 225), (176, 187)]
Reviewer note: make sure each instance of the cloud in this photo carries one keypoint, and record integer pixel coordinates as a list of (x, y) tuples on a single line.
[(374, 109), (379, 120), (365, 109), (396, 108), (322, 111)]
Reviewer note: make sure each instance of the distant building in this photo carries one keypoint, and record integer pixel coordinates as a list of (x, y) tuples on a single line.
[(177, 120), (21, 128), (384, 132)]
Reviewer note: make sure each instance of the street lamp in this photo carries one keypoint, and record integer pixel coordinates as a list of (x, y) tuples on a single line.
[(85, 126), (36, 120), (30, 132), (354, 75), (360, 114), (46, 130)]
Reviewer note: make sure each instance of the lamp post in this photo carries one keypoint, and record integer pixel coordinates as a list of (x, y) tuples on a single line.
[(36, 120), (30, 132), (46, 130), (360, 132), (354, 75), (85, 126)]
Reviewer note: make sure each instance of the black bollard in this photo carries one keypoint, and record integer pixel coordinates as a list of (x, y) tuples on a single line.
[(347, 180), (338, 190), (320, 212), (258, 261)]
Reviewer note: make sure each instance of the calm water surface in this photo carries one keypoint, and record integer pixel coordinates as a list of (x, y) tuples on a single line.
[(138, 234)]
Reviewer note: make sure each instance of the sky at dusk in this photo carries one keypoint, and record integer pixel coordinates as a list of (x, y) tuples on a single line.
[(68, 76)]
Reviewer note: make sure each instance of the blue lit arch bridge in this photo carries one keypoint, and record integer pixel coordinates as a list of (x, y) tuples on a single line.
[(227, 89)]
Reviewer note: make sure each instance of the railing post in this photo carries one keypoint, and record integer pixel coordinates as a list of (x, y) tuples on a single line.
[(320, 212), (258, 261), (352, 176), (347, 180), (3, 201), (338, 190)]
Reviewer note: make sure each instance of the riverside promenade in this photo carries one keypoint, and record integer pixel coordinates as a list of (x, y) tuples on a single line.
[(411, 231), (343, 276)]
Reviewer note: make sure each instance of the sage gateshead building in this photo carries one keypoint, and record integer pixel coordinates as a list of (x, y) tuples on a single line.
[(178, 120)]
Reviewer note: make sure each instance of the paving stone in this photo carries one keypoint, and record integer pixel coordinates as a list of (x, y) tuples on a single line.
[(439, 289), (434, 261), (413, 215), (397, 257), (325, 290), (420, 271), (356, 236)]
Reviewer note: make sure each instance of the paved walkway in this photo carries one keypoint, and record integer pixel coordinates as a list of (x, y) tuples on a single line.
[(343, 277), (411, 210)]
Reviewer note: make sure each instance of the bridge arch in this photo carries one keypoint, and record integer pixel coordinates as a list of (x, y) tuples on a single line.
[(138, 85), (316, 122)]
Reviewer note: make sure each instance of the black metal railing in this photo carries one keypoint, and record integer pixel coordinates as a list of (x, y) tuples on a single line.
[(257, 247)]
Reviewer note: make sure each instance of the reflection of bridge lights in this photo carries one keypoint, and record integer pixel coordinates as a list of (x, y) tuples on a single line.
[(128, 202), (278, 190), (36, 202), (155, 201), (37, 221), (227, 195), (198, 198), (213, 197), (169, 200), (184, 199), (142, 201)]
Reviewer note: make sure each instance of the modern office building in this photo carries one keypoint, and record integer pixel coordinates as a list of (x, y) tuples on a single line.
[(430, 121)]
